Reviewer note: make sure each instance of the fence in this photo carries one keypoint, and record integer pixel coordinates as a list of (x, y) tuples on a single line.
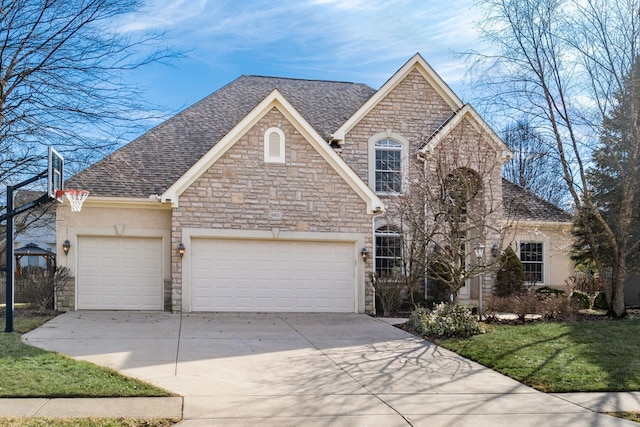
[(19, 294)]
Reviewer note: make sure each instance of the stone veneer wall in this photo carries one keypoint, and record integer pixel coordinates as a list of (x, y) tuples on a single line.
[(240, 189), (65, 298), (414, 110)]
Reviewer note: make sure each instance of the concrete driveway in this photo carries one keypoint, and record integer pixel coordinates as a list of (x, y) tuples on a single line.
[(304, 369)]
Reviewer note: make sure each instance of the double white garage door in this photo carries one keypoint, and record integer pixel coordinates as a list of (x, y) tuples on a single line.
[(225, 275)]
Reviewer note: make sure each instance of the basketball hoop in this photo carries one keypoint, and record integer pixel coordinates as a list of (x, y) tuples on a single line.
[(75, 197)]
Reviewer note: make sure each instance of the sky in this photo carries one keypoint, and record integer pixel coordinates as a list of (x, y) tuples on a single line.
[(363, 41)]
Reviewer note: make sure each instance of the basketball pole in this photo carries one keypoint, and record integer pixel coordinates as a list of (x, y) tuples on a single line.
[(9, 265)]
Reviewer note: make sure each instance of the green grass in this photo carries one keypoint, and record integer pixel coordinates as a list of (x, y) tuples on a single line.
[(27, 371), (560, 357), (632, 416)]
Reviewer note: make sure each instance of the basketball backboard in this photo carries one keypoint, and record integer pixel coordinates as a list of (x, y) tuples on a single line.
[(55, 177)]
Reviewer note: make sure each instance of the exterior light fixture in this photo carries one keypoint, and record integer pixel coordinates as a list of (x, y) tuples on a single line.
[(181, 249), (65, 247), (479, 251), (365, 254)]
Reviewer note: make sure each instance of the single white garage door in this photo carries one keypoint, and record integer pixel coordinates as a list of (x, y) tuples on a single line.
[(119, 273), (268, 275)]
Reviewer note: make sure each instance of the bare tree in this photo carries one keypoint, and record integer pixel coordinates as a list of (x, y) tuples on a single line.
[(561, 62), (62, 68), (449, 207), (535, 165)]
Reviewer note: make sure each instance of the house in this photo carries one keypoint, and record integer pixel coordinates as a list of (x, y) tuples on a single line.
[(35, 232), (267, 195), (540, 234)]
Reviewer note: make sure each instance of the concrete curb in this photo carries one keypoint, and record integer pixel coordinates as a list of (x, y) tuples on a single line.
[(121, 407)]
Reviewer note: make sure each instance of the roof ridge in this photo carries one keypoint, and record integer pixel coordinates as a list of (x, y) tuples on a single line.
[(305, 79)]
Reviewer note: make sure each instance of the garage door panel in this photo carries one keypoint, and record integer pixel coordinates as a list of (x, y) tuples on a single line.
[(120, 273), (263, 275)]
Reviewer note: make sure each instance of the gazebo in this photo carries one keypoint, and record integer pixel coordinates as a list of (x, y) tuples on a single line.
[(32, 249)]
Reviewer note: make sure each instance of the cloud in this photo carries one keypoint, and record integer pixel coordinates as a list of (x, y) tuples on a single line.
[(356, 40)]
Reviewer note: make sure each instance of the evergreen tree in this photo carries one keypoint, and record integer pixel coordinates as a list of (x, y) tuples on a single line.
[(510, 275), (614, 180)]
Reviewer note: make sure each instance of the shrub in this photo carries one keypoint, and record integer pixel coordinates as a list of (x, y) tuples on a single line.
[(589, 285), (547, 307), (445, 320), (558, 308), (389, 292), (38, 285), (601, 302), (580, 299), (510, 275), (547, 291), (438, 279), (417, 300)]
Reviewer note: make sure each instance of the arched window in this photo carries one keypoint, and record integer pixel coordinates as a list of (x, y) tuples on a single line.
[(274, 145), (388, 252), (388, 166)]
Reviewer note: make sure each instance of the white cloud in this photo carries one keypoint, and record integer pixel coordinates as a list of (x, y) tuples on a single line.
[(356, 40)]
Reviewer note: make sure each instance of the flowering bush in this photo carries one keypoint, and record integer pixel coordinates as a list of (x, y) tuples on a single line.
[(446, 320)]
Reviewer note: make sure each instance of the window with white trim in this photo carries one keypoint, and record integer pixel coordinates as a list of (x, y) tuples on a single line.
[(388, 252), (388, 166), (532, 258), (274, 145)]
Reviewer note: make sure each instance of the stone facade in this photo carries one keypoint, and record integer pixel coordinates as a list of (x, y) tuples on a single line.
[(65, 297), (413, 109), (240, 190), (312, 196)]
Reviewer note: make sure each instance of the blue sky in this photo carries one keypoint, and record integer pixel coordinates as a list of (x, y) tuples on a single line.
[(362, 41)]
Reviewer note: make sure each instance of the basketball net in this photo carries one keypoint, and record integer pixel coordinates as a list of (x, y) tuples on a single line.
[(75, 197)]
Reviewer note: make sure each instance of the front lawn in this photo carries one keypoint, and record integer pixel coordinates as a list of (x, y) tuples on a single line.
[(560, 357), (27, 371)]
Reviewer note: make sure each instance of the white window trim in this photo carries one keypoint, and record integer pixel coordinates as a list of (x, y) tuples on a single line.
[(372, 158), (544, 259), (389, 232), (267, 157)]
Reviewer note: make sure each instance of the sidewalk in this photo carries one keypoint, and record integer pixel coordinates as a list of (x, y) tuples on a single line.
[(171, 407), (123, 407)]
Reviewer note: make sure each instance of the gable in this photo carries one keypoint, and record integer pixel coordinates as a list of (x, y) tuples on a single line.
[(415, 64), (150, 164), (466, 114), (275, 101)]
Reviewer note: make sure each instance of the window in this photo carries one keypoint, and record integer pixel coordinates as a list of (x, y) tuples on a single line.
[(274, 146), (388, 166), (532, 258), (388, 252)]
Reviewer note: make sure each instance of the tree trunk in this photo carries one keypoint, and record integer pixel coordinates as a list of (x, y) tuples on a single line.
[(617, 309)]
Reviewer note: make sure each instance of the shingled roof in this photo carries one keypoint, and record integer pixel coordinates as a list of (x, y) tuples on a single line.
[(153, 162), (522, 205)]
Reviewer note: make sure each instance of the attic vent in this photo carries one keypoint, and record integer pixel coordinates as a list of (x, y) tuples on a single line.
[(274, 145)]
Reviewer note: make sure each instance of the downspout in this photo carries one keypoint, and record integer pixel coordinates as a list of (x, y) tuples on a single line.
[(423, 157)]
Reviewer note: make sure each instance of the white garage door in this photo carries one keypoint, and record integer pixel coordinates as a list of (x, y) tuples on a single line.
[(119, 273), (266, 275)]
